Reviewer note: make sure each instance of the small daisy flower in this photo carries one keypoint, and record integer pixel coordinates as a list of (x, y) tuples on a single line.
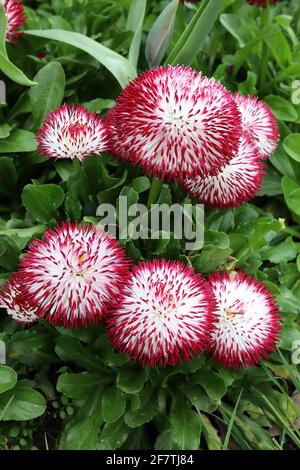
[(259, 122), (74, 274), (173, 121), (164, 314), (248, 324), (72, 132), (235, 184), (14, 11), (13, 300)]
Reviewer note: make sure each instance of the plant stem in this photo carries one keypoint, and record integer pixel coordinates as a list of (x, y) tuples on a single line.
[(154, 192), (265, 21)]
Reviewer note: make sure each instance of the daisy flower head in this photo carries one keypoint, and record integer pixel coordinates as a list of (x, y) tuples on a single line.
[(164, 314), (74, 274), (248, 324), (236, 183), (259, 122), (14, 11), (72, 132), (175, 122), (13, 300)]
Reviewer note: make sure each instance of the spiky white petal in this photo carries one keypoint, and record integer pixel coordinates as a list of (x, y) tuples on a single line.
[(73, 274), (164, 314), (72, 132), (247, 321)]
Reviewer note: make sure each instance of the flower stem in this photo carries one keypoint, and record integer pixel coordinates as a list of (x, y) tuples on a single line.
[(265, 21), (154, 192)]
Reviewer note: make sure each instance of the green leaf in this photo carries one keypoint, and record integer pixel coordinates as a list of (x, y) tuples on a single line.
[(293, 201), (113, 435), (25, 403), (131, 379), (211, 382), (43, 200), (199, 398), (135, 23), (9, 253), (291, 145), (282, 108), (113, 405), (71, 350), (146, 411), (8, 177), (19, 141), (49, 92), (32, 347), (78, 385), (82, 436), (5, 130), (211, 258), (160, 34), (7, 67), (284, 251), (140, 184), (196, 32), (280, 49), (8, 378), (120, 67), (185, 426)]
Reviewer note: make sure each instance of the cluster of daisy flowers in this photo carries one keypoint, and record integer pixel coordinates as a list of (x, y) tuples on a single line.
[(180, 125), (158, 312), (176, 124)]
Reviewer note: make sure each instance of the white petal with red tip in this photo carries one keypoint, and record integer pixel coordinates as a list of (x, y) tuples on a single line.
[(173, 121), (247, 321), (164, 314)]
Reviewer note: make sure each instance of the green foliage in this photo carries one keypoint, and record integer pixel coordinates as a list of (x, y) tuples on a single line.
[(72, 381)]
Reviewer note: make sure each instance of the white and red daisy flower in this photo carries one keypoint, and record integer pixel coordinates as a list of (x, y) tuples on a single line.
[(74, 274), (13, 300), (14, 11), (236, 183), (259, 122), (248, 324), (72, 132), (173, 121), (164, 314)]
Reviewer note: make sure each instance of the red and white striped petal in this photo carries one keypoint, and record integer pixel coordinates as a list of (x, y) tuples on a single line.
[(259, 122), (72, 132), (164, 314), (15, 18), (13, 300), (236, 183), (175, 122), (74, 274), (248, 324)]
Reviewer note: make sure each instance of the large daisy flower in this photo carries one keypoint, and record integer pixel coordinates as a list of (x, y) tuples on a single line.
[(164, 314), (74, 274), (175, 122)]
